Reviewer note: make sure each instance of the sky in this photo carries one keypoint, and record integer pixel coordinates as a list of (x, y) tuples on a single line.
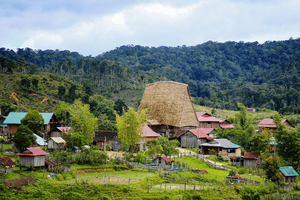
[(93, 27)]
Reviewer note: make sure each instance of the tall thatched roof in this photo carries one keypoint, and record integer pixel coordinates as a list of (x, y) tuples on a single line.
[(169, 103)]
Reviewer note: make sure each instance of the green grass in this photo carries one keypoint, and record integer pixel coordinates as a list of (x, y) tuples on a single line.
[(215, 159), (213, 174), (6, 146)]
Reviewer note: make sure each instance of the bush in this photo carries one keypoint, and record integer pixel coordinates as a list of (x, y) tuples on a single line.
[(232, 172), (241, 171)]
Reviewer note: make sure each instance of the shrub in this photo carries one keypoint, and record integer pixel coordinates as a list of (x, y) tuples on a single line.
[(232, 172), (241, 171)]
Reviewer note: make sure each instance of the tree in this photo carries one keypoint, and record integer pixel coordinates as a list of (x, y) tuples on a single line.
[(120, 106), (288, 143), (75, 140), (129, 127), (61, 91), (83, 121), (25, 82), (168, 146), (271, 166), (34, 121), (62, 112), (24, 137), (35, 84), (260, 142)]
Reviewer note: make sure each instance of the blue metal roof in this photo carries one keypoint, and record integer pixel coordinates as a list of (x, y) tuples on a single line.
[(288, 171), (40, 140), (16, 117)]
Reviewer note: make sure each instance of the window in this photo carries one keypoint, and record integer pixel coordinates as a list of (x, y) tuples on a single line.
[(231, 150)]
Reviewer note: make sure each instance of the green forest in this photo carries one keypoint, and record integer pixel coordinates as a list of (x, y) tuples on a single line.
[(263, 76)]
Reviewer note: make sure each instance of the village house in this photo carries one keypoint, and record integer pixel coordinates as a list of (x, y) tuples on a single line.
[(59, 132), (13, 121), (6, 165), (192, 138), (170, 106), (289, 175), (107, 138), (148, 135), (208, 121), (251, 160), (251, 109), (162, 161), (270, 125), (50, 165), (225, 124), (56, 143), (33, 157), (39, 141), (208, 131), (221, 147)]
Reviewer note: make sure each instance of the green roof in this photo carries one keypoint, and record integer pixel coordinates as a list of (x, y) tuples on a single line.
[(16, 117), (288, 171)]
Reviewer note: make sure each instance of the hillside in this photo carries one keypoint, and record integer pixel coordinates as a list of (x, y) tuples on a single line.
[(218, 74), (23, 98)]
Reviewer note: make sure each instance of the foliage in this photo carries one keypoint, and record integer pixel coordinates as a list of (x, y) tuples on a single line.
[(288, 143), (168, 146), (75, 140), (24, 137), (129, 127), (260, 142), (83, 121), (140, 156), (62, 112), (120, 106), (6, 108), (271, 166), (34, 121), (232, 172)]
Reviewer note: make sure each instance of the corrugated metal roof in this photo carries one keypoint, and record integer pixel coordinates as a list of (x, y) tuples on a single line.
[(250, 155), (201, 134), (39, 140), (224, 143), (148, 132), (16, 117), (227, 125), (50, 162), (166, 159), (288, 171), (58, 140), (33, 151)]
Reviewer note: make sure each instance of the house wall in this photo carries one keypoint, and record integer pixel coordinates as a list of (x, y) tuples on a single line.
[(188, 140), (209, 124), (50, 144), (205, 150), (34, 161), (251, 163), (236, 153), (12, 128), (4, 170), (55, 134), (289, 179)]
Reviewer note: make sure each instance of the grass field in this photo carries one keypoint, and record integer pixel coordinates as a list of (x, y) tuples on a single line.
[(5, 146)]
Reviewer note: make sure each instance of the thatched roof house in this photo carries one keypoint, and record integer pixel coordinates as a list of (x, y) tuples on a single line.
[(170, 107)]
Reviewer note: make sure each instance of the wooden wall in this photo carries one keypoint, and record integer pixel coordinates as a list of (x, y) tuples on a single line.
[(209, 124), (34, 161)]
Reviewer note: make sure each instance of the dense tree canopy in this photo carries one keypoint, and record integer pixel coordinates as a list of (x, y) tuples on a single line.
[(24, 137)]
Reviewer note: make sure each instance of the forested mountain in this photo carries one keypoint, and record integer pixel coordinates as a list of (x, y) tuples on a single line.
[(218, 74)]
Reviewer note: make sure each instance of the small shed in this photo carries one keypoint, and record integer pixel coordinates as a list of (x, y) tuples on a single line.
[(289, 175), (162, 161), (59, 132), (251, 159), (56, 143), (6, 165), (107, 138), (49, 164), (34, 157)]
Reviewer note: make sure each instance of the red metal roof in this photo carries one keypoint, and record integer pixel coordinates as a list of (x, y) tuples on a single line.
[(250, 155), (166, 159), (148, 132), (208, 119), (65, 130), (201, 134), (200, 114), (269, 123), (207, 130), (250, 108), (227, 125), (33, 151)]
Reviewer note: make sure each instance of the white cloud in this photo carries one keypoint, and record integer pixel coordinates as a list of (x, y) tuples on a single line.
[(43, 40)]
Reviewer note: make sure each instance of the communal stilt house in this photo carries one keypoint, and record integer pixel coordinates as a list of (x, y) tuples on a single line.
[(170, 106)]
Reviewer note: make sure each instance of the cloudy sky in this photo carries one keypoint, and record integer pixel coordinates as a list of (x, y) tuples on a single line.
[(92, 27)]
